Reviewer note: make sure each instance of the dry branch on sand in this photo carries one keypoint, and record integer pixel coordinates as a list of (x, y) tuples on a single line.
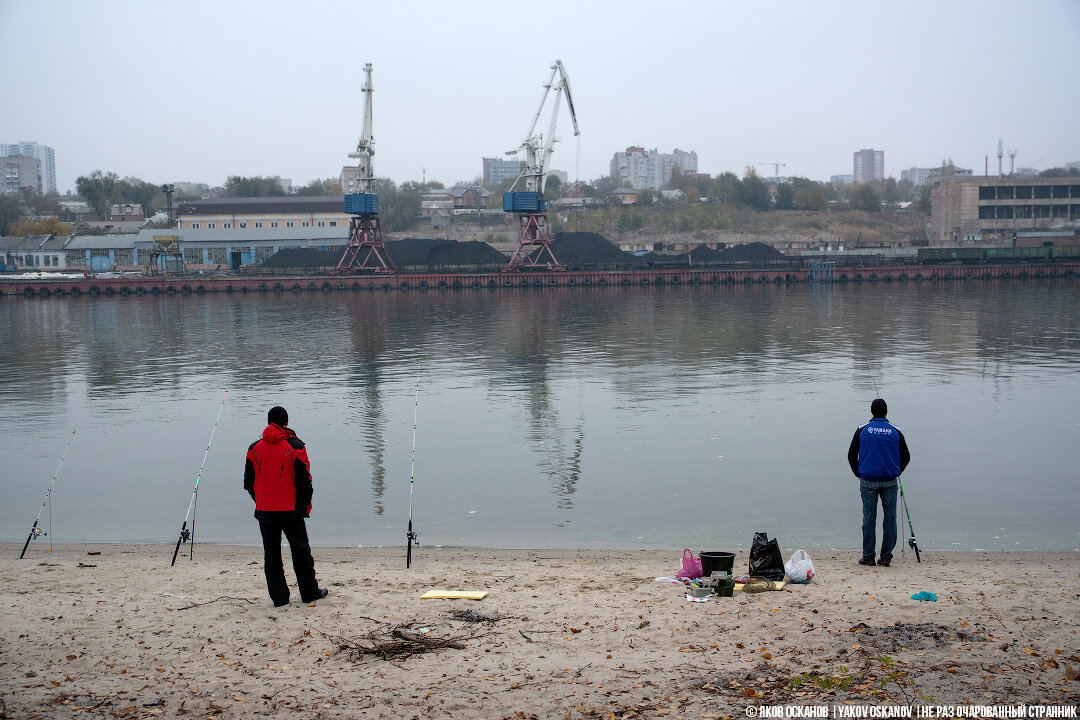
[(395, 643)]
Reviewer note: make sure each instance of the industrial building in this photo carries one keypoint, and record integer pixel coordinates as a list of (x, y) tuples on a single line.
[(989, 210), (217, 249), (263, 213)]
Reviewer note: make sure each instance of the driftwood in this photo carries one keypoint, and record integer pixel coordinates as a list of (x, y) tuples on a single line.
[(411, 636), (473, 616), (397, 644)]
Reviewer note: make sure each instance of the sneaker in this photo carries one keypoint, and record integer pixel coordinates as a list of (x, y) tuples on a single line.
[(885, 560), (868, 560), (281, 604), (323, 592)]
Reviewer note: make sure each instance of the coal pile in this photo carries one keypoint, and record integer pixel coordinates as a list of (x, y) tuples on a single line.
[(412, 251), (750, 252), (303, 258), (471, 252), (702, 255), (584, 249)]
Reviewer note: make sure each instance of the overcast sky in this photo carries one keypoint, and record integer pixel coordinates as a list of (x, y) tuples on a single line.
[(196, 91)]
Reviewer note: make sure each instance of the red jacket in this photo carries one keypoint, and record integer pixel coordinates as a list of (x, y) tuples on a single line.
[(277, 473)]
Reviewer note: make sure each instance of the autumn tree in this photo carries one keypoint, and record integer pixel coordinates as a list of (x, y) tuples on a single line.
[(257, 186), (10, 212), (753, 193), (321, 188), (785, 196), (398, 207), (46, 226), (99, 190), (865, 197)]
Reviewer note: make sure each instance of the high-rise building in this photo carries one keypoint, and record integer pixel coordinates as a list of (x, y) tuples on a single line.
[(19, 172), (869, 166), (497, 170), (920, 176), (641, 169), (43, 154)]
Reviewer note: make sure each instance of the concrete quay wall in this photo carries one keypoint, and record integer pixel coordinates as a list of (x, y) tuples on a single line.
[(111, 287)]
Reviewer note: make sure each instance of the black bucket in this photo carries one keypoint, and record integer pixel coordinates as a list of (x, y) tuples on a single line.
[(717, 561)]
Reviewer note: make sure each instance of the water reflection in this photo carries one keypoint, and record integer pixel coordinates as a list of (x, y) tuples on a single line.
[(680, 391)]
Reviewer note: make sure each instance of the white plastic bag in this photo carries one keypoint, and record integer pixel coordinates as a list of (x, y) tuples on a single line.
[(799, 568)]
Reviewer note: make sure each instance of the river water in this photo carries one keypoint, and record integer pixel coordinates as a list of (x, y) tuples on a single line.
[(573, 417)]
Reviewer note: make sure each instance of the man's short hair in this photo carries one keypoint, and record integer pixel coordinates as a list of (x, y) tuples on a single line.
[(878, 408), (277, 416)]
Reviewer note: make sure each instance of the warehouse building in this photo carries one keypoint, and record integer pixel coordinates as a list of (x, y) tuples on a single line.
[(990, 210)]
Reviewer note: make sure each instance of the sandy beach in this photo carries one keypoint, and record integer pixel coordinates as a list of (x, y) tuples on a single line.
[(113, 631)]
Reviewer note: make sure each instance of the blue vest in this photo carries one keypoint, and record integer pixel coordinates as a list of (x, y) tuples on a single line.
[(879, 450)]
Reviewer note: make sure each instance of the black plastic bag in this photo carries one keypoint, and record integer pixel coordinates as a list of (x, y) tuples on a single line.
[(765, 558)]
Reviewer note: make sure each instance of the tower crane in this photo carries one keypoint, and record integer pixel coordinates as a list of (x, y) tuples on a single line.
[(534, 247), (365, 251), (776, 167)]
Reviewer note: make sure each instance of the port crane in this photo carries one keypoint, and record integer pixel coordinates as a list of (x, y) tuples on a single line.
[(365, 251), (776, 166), (534, 246)]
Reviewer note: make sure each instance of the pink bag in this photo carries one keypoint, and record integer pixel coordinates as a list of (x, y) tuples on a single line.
[(691, 566)]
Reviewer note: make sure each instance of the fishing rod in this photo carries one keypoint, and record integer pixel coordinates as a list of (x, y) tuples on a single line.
[(410, 535), (911, 540), (35, 531), (185, 533)]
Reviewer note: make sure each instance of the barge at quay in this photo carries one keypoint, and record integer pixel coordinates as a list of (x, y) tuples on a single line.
[(94, 287)]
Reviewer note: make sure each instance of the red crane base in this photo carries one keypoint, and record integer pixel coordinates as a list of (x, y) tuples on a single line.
[(534, 248), (365, 252)]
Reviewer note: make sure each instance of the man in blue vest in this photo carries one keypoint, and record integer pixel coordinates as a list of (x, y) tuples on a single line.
[(877, 456)]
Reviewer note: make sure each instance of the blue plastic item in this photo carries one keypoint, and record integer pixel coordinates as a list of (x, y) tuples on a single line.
[(924, 595), (362, 204)]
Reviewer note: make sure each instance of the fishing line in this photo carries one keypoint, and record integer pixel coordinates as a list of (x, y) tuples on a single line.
[(186, 534), (410, 535), (35, 531), (877, 392)]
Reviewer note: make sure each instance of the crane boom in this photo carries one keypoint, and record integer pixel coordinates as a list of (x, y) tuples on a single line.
[(776, 166), (537, 151), (365, 148)]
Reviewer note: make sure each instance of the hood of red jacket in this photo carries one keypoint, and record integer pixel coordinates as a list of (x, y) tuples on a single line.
[(275, 433)]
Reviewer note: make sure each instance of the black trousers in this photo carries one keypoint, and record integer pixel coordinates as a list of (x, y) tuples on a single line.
[(271, 525)]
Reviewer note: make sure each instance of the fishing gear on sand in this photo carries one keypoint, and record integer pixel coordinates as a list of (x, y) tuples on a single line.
[(911, 540), (185, 533), (410, 536), (35, 531)]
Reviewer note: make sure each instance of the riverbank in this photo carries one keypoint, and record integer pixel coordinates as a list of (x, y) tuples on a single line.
[(114, 631)]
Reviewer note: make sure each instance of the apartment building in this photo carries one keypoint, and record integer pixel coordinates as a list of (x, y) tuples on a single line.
[(644, 169), (42, 153), (869, 166)]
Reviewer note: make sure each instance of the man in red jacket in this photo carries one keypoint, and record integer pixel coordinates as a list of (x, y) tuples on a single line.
[(277, 475)]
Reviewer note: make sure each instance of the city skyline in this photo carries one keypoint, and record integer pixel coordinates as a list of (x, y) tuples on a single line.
[(250, 94)]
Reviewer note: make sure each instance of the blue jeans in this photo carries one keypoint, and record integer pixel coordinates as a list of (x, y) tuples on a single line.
[(870, 492)]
